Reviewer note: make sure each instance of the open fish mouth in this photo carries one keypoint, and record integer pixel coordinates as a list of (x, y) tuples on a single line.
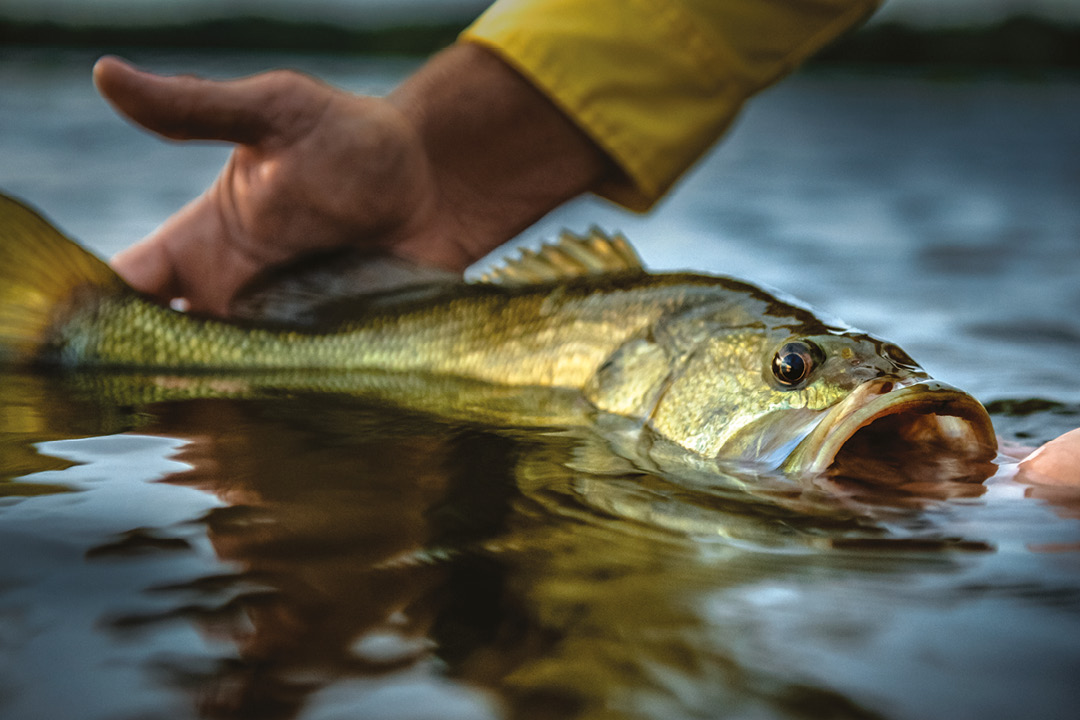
[(895, 432)]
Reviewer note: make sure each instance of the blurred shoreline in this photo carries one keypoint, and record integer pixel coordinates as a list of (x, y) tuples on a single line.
[(1023, 42)]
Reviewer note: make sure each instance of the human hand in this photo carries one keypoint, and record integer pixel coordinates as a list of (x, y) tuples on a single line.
[(460, 158), (313, 168), (1055, 463)]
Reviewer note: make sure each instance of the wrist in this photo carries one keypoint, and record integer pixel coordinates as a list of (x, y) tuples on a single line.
[(502, 155)]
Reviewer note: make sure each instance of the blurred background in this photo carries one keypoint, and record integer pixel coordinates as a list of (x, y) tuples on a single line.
[(366, 12), (1024, 31)]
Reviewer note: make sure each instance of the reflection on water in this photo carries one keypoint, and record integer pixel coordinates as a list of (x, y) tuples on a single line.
[(324, 556)]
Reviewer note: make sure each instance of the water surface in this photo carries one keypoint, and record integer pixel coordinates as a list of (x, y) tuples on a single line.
[(326, 556)]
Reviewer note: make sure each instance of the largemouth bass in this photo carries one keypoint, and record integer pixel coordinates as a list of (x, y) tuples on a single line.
[(716, 367)]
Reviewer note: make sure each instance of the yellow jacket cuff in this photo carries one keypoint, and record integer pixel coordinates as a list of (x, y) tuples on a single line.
[(656, 82)]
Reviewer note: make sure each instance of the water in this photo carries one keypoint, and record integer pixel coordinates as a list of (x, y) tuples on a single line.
[(326, 557)]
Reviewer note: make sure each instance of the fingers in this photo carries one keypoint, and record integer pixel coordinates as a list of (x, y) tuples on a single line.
[(189, 257), (1055, 463), (187, 107), (146, 267)]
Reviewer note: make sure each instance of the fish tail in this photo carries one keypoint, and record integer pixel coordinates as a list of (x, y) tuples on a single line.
[(43, 275)]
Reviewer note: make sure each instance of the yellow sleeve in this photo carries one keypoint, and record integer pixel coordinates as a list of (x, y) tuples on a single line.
[(656, 82)]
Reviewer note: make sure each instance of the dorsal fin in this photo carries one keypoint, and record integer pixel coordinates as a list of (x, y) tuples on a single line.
[(570, 256)]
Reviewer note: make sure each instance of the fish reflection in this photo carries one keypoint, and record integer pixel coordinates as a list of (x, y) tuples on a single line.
[(35, 409), (538, 569), (354, 535), (537, 565)]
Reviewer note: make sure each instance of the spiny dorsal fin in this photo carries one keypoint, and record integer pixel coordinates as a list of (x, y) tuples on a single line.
[(570, 256), (40, 272)]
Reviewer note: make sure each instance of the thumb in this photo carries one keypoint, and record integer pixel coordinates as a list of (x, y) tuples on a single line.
[(187, 107), (146, 266), (189, 257)]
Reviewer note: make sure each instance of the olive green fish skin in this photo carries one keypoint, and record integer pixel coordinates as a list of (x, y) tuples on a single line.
[(577, 330), (688, 354), (544, 335)]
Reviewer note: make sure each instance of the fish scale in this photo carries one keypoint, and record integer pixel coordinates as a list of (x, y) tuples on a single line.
[(704, 362)]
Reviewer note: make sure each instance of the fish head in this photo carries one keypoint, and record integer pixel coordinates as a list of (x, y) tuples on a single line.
[(802, 402)]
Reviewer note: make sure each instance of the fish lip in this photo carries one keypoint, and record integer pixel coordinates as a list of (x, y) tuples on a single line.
[(879, 398)]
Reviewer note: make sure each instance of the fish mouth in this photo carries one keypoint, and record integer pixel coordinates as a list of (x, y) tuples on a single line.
[(900, 432)]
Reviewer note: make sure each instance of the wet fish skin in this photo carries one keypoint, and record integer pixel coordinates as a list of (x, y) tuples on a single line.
[(676, 351), (689, 356)]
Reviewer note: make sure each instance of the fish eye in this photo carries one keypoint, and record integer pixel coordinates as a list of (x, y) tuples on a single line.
[(794, 362)]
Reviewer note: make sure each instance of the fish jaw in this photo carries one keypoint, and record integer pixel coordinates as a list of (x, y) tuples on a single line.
[(925, 416)]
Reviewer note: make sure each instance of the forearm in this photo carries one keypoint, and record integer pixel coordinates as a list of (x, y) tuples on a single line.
[(502, 153)]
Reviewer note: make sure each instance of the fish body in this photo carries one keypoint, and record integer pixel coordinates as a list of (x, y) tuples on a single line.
[(716, 366)]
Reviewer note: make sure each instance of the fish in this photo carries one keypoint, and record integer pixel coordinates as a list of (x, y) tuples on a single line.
[(703, 365)]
